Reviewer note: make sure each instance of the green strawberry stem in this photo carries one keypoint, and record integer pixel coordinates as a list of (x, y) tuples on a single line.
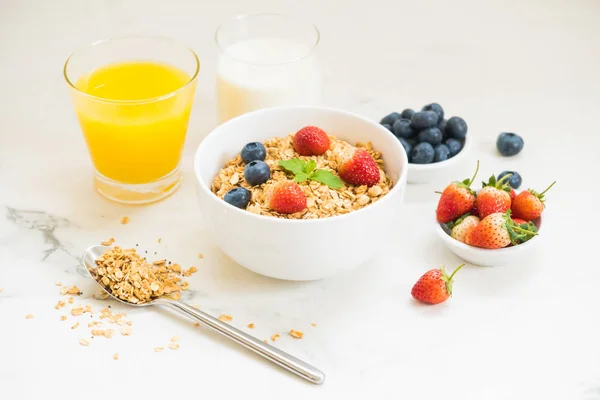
[(518, 228), (474, 175), (455, 271), (541, 195), (438, 192), (502, 180)]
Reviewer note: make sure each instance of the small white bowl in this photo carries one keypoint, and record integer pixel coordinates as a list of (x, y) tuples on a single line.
[(299, 249), (444, 171), (487, 257)]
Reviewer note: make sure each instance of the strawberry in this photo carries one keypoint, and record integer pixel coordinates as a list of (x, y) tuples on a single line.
[(287, 198), (311, 141), (497, 231), (529, 204), (434, 286), (513, 194), (456, 200), (359, 168), (519, 221), (463, 226), (494, 197)]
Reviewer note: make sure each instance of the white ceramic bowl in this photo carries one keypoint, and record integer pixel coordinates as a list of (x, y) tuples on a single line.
[(487, 257), (444, 171), (298, 249)]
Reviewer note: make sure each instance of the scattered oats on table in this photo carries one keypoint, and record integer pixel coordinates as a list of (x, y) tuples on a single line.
[(116, 356), (251, 326), (275, 337), (29, 316), (58, 284), (158, 349), (322, 201), (126, 330), (75, 326), (225, 318), (296, 334), (84, 342), (124, 220), (173, 346), (175, 339), (313, 324), (60, 304), (108, 242), (63, 318)]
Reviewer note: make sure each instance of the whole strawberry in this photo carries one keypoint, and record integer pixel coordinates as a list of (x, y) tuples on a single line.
[(359, 168), (463, 227), (287, 198), (497, 231), (513, 194), (494, 197), (311, 141), (457, 199), (434, 286), (529, 204)]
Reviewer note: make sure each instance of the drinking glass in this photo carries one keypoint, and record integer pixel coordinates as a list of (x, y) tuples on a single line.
[(133, 98), (266, 60)]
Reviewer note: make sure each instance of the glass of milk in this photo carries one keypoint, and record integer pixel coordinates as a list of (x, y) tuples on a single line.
[(266, 60)]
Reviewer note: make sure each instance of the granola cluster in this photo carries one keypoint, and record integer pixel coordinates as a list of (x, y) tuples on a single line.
[(322, 201), (128, 276)]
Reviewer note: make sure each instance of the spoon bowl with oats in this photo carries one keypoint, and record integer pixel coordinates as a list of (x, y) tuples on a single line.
[(128, 278)]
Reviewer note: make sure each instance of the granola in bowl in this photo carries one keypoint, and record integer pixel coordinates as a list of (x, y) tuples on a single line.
[(317, 176)]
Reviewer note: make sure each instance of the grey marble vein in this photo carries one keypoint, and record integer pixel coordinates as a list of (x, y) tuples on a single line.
[(46, 224)]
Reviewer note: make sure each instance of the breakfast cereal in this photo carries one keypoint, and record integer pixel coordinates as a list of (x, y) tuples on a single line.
[(321, 200)]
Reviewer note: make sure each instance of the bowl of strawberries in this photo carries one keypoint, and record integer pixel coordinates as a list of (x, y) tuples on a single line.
[(490, 226)]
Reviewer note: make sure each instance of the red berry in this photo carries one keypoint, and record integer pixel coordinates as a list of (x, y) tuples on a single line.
[(513, 194), (529, 205), (494, 197), (287, 198), (456, 200), (311, 141), (359, 168), (490, 233), (434, 286)]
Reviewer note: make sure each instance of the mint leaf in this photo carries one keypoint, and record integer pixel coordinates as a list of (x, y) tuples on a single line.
[(301, 177), (295, 165), (310, 166), (327, 178)]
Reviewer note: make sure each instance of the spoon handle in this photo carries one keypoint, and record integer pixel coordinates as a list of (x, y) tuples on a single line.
[(269, 352)]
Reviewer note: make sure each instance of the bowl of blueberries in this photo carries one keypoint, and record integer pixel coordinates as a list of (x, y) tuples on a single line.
[(435, 146)]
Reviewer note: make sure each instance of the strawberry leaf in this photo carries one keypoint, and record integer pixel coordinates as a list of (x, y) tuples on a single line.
[(295, 165), (310, 166), (301, 177), (327, 178)]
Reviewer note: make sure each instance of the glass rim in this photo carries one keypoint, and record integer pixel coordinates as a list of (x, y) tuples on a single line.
[(139, 101), (247, 16)]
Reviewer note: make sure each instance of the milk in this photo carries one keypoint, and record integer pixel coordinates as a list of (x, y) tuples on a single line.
[(259, 73)]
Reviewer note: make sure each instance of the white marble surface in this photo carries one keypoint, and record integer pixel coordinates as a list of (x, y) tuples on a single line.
[(525, 331)]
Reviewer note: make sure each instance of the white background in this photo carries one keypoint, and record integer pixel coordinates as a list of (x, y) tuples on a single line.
[(525, 331)]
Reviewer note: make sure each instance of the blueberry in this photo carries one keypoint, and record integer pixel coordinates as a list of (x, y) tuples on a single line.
[(442, 127), (436, 108), (515, 179), (390, 118), (454, 145), (407, 146), (422, 153), (402, 129), (441, 153), (430, 135), (509, 144), (388, 127), (257, 173), (238, 197), (456, 128), (253, 151), (408, 113), (423, 120)]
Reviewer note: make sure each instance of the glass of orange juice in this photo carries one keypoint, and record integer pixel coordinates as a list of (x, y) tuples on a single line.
[(133, 98)]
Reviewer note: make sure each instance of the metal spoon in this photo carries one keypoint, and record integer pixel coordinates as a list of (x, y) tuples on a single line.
[(267, 351)]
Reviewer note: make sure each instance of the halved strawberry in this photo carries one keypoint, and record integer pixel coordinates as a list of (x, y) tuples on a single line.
[(287, 198), (457, 199), (359, 168), (494, 197), (311, 141)]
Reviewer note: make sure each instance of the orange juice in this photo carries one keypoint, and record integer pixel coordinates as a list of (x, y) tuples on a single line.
[(135, 124)]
